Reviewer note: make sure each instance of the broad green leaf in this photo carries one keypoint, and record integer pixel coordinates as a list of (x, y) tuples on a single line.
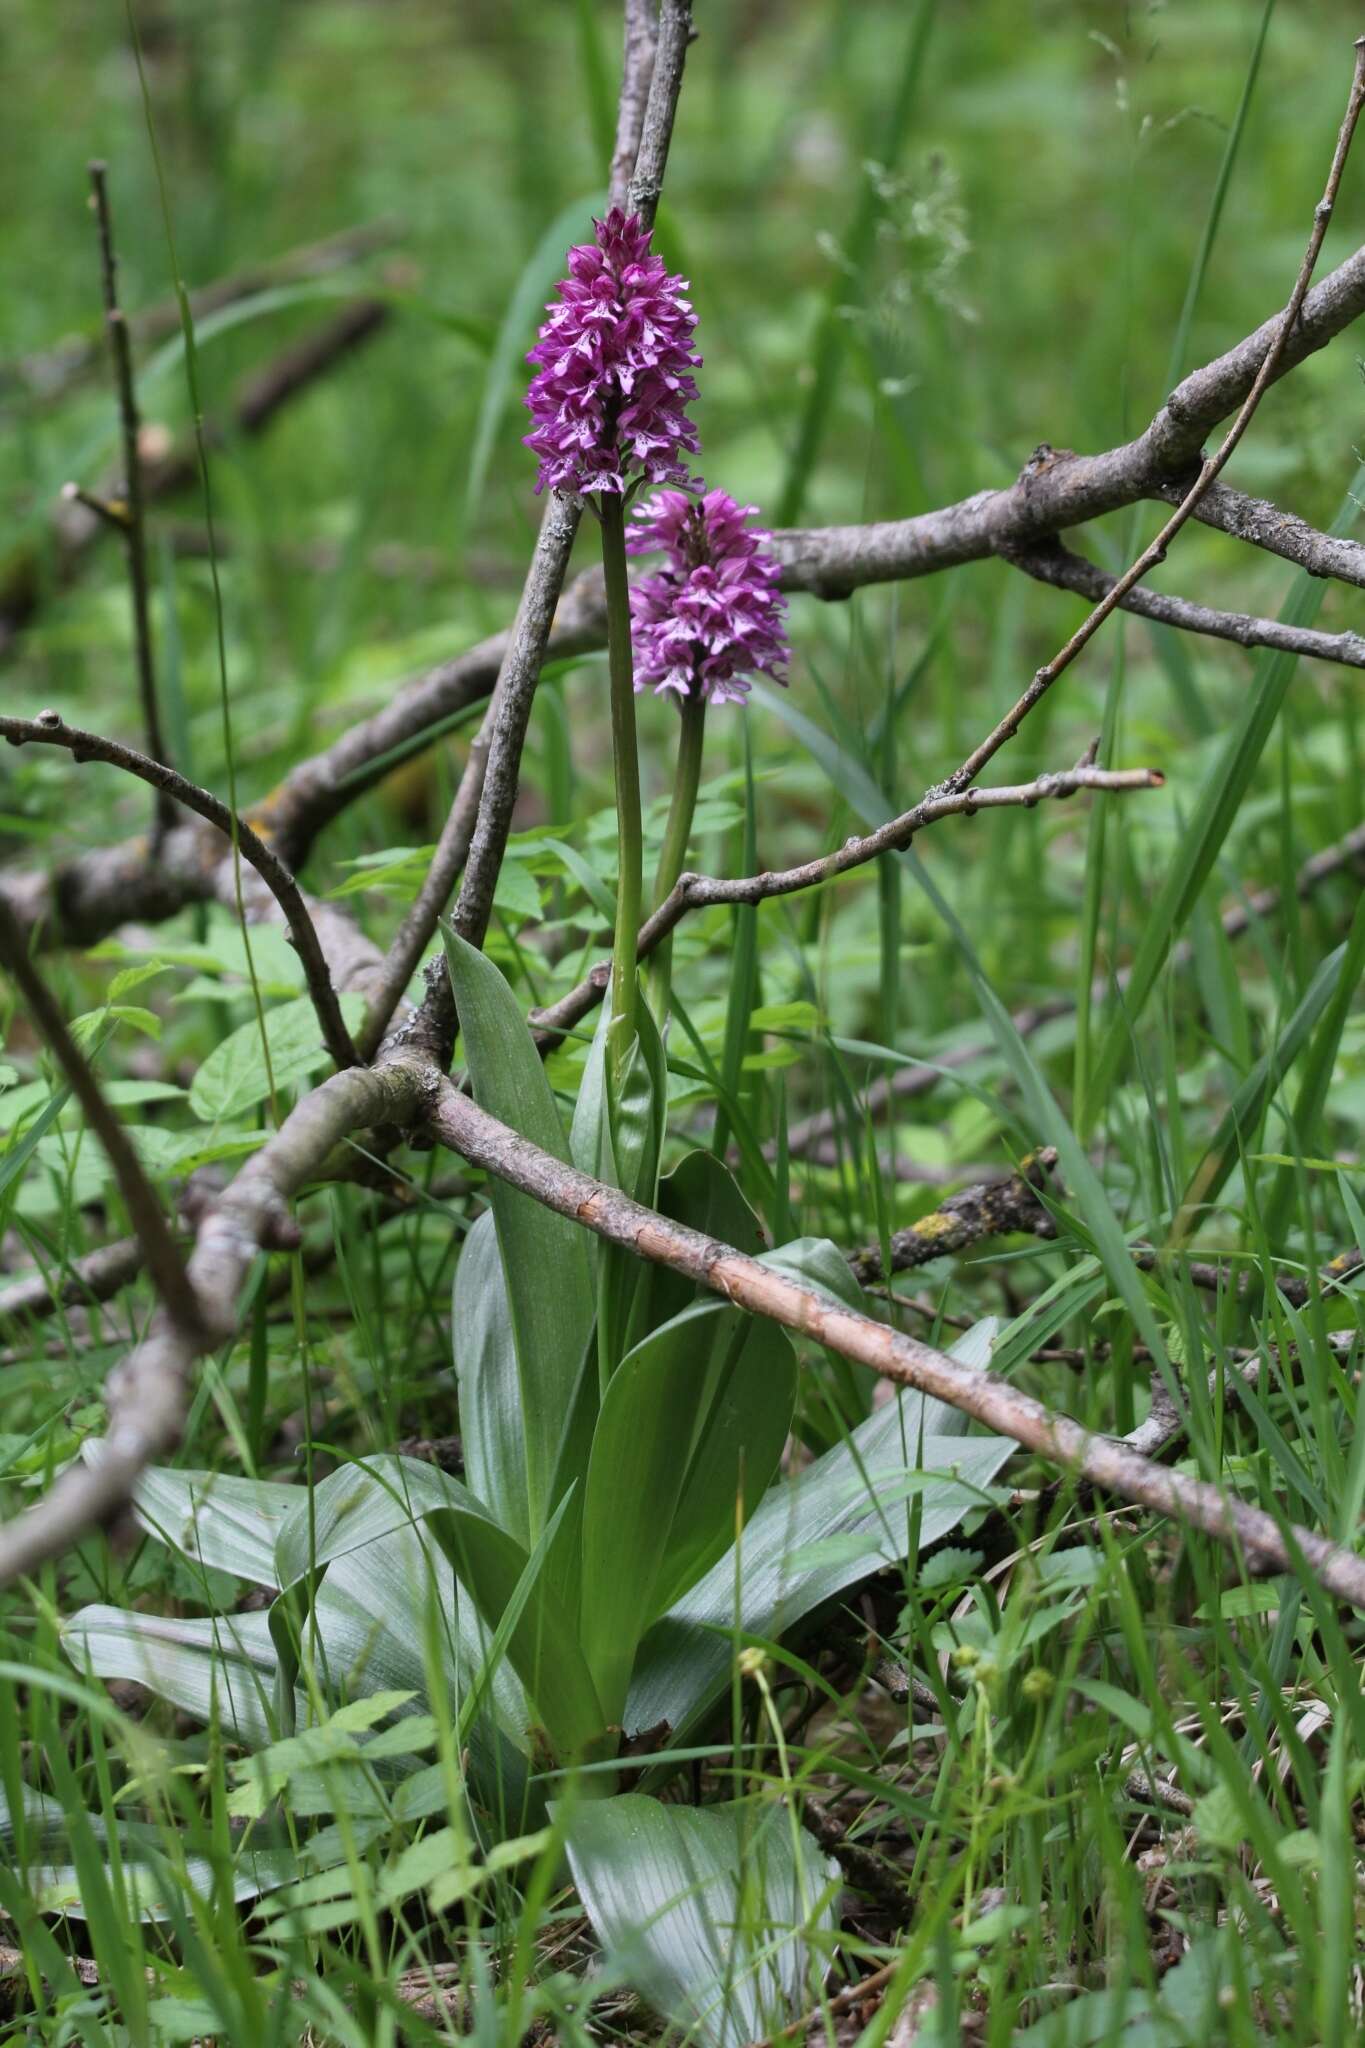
[(694, 1416), (517, 894), (387, 1583), (17, 1153), (377, 1616), (87, 1029), (589, 881), (542, 1642), (709, 1911), (335, 1740), (227, 1523), (233, 1078), (545, 1258), (491, 1431), (819, 1265), (684, 1661), (702, 1193), (48, 1831), (353, 1508), (223, 1664)]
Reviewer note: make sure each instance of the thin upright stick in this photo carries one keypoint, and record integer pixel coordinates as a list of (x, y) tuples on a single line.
[(134, 523)]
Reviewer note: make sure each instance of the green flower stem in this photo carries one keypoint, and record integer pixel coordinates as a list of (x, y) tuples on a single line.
[(629, 837), (677, 832)]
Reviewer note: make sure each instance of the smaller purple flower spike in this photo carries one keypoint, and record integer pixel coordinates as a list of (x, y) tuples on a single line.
[(614, 368), (713, 617)]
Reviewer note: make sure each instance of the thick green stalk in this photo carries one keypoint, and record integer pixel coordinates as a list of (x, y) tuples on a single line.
[(673, 854), (629, 837)]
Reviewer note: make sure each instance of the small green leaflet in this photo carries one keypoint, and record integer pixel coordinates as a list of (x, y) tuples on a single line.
[(234, 1078)]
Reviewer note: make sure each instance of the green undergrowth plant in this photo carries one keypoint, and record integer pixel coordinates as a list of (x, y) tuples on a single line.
[(692, 1683), (573, 1611)]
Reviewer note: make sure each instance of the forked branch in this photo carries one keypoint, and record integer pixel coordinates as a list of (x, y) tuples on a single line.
[(50, 729)]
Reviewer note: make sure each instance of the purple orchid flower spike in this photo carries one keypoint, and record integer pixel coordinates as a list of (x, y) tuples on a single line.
[(614, 368), (713, 617)]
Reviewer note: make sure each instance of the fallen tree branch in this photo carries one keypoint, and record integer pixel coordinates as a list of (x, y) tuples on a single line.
[(990, 1209), (458, 1123), (94, 1278), (1064, 570), (49, 728), (1007, 1206), (1059, 488), (1263, 525)]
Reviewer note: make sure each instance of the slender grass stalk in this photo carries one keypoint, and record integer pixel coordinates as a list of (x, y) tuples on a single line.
[(626, 764), (677, 832)]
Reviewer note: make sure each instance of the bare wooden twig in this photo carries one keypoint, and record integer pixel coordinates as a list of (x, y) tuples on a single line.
[(49, 728), (989, 1209), (697, 892), (1052, 563), (457, 1122), (419, 925), (1263, 525), (134, 525), (94, 1278), (1014, 1205), (640, 41)]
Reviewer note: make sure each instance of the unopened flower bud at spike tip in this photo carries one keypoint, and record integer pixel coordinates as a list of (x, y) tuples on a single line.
[(713, 617), (614, 367)]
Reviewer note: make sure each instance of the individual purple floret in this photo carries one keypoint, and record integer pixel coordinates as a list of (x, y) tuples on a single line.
[(614, 361), (714, 616)]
